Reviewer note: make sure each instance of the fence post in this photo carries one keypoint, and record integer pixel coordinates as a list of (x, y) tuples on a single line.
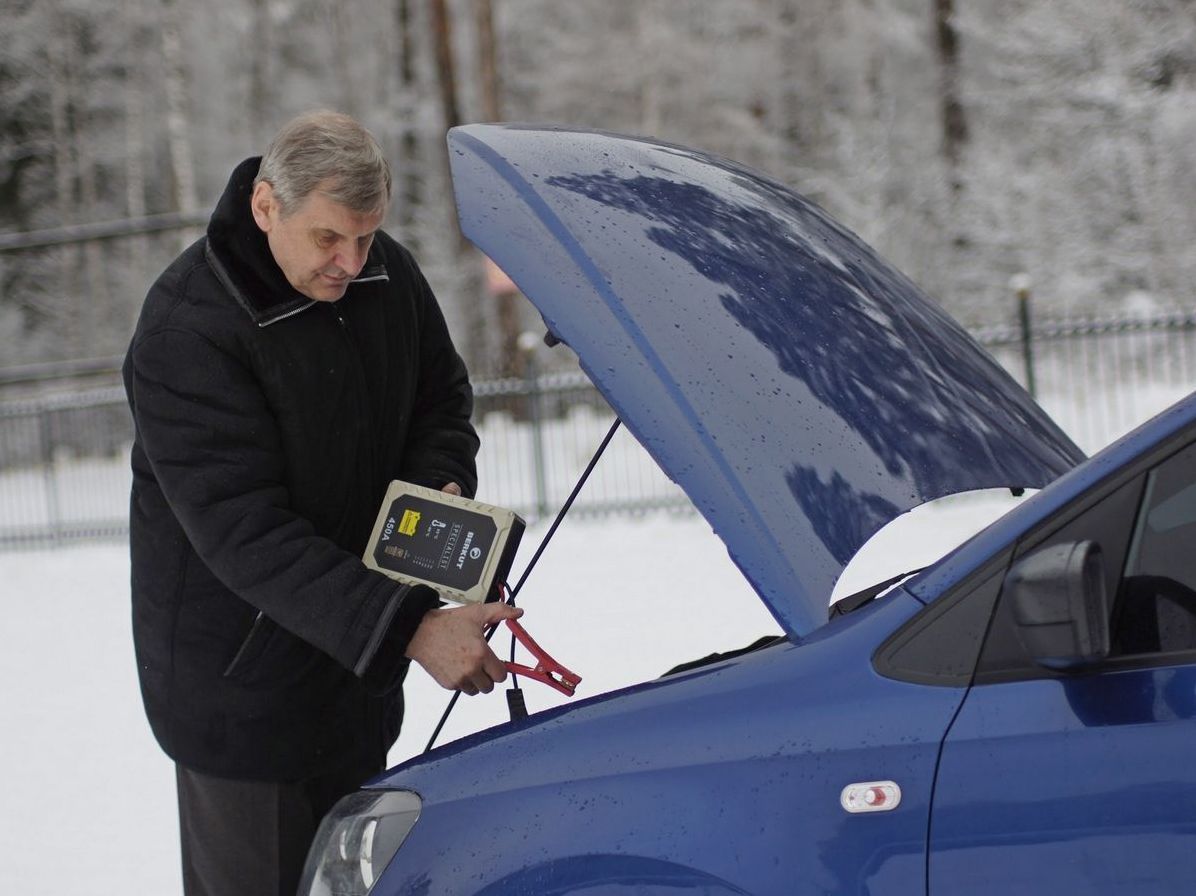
[(49, 476), (527, 344), (1020, 283)]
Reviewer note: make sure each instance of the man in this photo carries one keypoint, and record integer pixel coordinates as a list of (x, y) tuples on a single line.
[(283, 371)]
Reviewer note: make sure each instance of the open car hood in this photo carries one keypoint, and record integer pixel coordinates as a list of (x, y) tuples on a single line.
[(799, 389)]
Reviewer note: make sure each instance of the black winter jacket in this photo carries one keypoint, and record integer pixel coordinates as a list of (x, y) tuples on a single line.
[(267, 428)]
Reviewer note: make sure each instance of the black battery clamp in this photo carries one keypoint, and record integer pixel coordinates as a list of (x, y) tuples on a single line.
[(461, 547)]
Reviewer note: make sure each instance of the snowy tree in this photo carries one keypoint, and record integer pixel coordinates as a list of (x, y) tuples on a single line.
[(969, 140)]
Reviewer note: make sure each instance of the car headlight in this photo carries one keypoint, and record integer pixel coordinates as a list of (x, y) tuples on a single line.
[(357, 840)]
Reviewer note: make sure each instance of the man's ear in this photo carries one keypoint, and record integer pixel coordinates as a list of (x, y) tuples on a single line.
[(264, 205)]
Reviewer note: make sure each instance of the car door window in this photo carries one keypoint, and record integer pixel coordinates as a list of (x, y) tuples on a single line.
[(1155, 608)]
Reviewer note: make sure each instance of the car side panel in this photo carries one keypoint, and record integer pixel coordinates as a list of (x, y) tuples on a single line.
[(1082, 785)]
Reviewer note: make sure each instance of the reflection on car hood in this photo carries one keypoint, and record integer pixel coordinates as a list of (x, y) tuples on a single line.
[(798, 388)]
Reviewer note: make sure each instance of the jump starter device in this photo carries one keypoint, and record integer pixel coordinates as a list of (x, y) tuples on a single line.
[(460, 547)]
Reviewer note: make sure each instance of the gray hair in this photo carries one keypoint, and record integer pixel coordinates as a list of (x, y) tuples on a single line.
[(330, 151)]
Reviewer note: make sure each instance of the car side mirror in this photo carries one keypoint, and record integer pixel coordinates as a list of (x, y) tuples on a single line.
[(1060, 605)]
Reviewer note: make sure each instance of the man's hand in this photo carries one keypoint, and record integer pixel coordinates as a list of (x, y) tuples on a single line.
[(452, 648), (452, 488)]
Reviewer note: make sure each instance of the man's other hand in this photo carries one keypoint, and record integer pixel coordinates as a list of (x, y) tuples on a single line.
[(452, 489), (451, 646)]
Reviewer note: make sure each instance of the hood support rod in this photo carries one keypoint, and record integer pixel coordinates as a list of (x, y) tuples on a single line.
[(560, 516)]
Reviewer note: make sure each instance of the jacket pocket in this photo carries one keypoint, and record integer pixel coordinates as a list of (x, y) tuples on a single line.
[(251, 647), (270, 655)]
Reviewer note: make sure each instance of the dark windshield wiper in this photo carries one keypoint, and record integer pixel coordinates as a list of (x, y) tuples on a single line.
[(838, 608), (853, 602), (758, 644)]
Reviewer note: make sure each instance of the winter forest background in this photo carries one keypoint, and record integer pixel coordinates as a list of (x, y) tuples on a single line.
[(968, 140)]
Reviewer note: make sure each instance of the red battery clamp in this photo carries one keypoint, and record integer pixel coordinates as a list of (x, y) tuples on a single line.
[(547, 670)]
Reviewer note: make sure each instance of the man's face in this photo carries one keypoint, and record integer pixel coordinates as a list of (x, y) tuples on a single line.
[(320, 246)]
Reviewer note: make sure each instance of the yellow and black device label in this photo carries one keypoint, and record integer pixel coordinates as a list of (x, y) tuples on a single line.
[(458, 546), (409, 521)]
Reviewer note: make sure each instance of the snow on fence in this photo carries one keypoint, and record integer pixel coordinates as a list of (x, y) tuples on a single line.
[(64, 458)]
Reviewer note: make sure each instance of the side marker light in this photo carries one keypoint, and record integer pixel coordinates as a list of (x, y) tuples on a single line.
[(870, 796)]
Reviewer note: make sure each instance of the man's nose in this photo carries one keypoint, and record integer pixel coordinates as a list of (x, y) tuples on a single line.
[(351, 259)]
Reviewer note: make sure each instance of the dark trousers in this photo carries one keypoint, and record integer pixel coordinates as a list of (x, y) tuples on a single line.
[(250, 838)]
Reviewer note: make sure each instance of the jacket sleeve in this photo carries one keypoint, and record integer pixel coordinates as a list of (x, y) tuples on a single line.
[(441, 442), (211, 441)]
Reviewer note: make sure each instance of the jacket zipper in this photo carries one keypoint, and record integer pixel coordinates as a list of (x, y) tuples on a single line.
[(285, 315), (363, 379)]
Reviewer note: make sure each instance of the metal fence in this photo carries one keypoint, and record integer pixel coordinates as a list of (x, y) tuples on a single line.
[(1099, 377), (64, 458)]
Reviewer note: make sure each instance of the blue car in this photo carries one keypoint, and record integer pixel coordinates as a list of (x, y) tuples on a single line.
[(1016, 718)]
